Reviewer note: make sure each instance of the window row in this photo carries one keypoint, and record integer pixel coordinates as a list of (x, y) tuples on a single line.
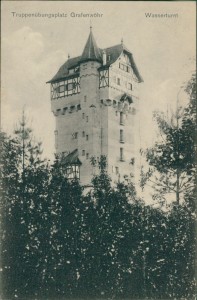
[(65, 88), (125, 68), (85, 154), (75, 135), (128, 85), (85, 66), (73, 171)]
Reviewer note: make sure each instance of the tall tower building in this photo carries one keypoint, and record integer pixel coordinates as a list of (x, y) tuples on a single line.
[(94, 98)]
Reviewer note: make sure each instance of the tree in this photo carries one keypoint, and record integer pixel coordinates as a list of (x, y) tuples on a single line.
[(172, 171), (115, 238), (66, 268), (172, 158), (24, 176)]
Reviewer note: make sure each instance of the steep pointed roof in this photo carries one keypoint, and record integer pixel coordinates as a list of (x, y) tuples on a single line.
[(72, 158), (91, 51)]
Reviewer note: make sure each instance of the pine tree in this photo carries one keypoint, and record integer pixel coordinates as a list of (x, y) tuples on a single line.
[(172, 171), (24, 176), (172, 158)]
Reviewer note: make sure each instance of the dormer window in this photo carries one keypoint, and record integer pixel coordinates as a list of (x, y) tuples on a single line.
[(108, 57), (77, 69), (71, 71)]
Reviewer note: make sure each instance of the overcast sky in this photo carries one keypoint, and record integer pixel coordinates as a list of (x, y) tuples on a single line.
[(33, 48)]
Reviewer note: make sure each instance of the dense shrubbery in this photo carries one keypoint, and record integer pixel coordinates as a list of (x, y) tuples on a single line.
[(60, 242)]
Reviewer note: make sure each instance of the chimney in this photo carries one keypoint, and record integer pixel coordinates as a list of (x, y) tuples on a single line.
[(104, 58)]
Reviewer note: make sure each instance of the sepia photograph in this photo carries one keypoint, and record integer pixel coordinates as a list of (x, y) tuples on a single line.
[(98, 150)]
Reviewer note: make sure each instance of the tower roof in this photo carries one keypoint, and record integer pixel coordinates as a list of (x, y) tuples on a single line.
[(92, 53), (91, 50)]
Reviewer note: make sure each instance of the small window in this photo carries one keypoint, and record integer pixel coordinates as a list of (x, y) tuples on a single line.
[(83, 134), (75, 135), (83, 116), (118, 81), (121, 118), (132, 162), (108, 57), (83, 152), (121, 136), (87, 137), (117, 170), (58, 111), (130, 86), (65, 109), (86, 118), (121, 154), (69, 86), (71, 71), (87, 155), (56, 132), (85, 98), (61, 88)]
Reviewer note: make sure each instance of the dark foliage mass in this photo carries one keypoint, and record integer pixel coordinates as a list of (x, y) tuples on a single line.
[(59, 241)]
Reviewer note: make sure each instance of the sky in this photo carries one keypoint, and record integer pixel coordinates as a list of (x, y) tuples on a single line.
[(33, 49)]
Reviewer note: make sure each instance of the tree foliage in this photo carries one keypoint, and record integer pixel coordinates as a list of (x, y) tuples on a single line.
[(60, 241), (172, 158)]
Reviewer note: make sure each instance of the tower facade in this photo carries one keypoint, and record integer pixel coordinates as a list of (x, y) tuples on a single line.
[(94, 98)]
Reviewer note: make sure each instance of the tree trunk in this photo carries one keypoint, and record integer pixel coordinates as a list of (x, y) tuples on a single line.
[(177, 187)]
